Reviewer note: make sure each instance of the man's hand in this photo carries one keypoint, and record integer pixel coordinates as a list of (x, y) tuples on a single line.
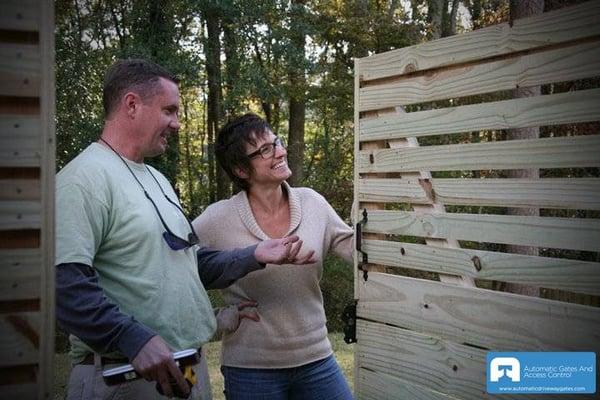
[(283, 251), (155, 362)]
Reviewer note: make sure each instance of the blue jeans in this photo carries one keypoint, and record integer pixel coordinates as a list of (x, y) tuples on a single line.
[(319, 380)]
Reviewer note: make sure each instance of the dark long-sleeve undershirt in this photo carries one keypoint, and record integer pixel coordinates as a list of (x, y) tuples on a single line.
[(83, 309)]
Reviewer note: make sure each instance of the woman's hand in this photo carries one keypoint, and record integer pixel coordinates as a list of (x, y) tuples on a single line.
[(230, 317), (283, 251), (250, 314)]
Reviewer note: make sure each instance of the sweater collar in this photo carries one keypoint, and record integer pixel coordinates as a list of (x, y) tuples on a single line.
[(242, 204)]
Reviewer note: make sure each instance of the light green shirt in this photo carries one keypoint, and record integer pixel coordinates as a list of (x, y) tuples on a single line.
[(103, 219)]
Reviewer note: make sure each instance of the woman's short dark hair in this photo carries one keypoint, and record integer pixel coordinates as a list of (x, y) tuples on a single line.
[(230, 148), (137, 75)]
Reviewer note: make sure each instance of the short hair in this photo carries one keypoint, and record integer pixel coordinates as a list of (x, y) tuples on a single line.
[(230, 148), (138, 75)]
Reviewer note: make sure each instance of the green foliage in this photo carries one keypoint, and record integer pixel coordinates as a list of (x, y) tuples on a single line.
[(259, 58), (337, 285)]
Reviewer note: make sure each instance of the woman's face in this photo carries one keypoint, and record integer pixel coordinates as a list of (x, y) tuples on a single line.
[(271, 166)]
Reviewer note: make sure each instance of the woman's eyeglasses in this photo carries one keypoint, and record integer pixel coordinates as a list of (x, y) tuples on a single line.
[(267, 151)]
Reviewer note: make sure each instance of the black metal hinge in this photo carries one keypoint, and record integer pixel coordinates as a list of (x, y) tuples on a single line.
[(365, 256), (349, 320)]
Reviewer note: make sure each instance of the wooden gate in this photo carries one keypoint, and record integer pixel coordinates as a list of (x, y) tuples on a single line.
[(434, 220), (26, 198)]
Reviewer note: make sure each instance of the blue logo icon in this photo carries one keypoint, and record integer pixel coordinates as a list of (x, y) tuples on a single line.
[(505, 366), (541, 372)]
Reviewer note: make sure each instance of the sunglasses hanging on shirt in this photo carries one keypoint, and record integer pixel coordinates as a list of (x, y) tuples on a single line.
[(173, 241)]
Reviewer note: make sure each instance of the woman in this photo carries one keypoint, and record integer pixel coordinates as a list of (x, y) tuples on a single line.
[(286, 353)]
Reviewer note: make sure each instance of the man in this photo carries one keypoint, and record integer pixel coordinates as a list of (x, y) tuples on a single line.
[(128, 268)]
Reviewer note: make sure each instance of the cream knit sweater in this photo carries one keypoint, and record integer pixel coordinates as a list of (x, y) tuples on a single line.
[(291, 331)]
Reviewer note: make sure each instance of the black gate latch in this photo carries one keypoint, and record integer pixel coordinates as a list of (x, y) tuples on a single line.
[(349, 320), (358, 244)]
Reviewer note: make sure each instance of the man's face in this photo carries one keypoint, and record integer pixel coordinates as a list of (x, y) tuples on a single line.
[(158, 119)]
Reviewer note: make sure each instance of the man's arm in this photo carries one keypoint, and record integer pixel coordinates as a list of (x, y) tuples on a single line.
[(219, 269), (83, 310)]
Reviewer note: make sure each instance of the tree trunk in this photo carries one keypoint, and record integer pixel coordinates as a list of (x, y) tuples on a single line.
[(522, 9), (152, 30), (232, 67), (475, 10), (297, 96), (451, 23), (219, 182), (435, 11)]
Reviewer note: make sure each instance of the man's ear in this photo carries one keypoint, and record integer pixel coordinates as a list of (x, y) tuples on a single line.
[(240, 173), (131, 101)]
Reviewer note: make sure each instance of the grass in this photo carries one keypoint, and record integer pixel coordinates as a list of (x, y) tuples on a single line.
[(343, 353)]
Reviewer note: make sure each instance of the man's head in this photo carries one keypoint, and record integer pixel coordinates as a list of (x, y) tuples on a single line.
[(141, 99), (132, 75)]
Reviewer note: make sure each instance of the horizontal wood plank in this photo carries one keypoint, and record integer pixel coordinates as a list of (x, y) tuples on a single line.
[(559, 26), (565, 233), (571, 107), (20, 338), (493, 320), (19, 15), (427, 361), (13, 126), (20, 391), (20, 141), (20, 374), (377, 385), (20, 274), (19, 189), (558, 65), (556, 273), (556, 152), (570, 193), (20, 70), (383, 190), (19, 215)]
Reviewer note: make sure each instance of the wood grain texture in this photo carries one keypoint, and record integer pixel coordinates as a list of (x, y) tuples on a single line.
[(19, 391), (17, 126), (377, 385), (483, 318), (19, 15), (20, 70), (558, 65), (562, 108), (20, 140), (566, 24), (19, 189), (434, 206), (19, 274), (423, 360), (558, 273), (570, 193), (20, 338), (565, 233), (19, 215), (47, 179), (556, 152), (390, 190)]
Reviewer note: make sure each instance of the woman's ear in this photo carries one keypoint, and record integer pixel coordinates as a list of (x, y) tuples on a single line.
[(240, 173)]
